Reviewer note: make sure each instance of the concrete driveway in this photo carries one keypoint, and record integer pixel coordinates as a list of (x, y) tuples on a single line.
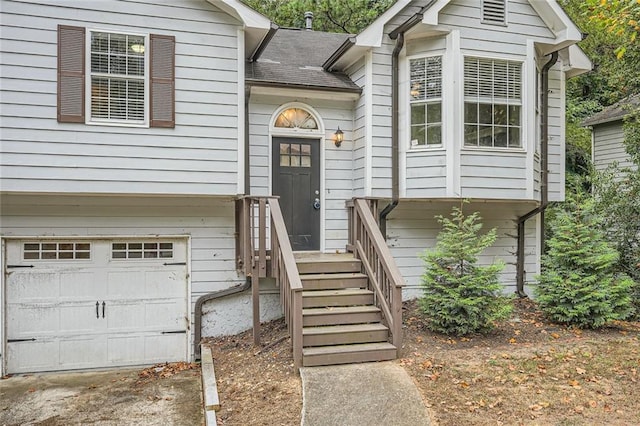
[(117, 397)]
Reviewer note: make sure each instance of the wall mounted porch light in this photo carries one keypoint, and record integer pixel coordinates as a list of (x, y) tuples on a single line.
[(338, 137)]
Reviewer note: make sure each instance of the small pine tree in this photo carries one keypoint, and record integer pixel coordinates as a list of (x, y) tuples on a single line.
[(460, 296), (578, 285)]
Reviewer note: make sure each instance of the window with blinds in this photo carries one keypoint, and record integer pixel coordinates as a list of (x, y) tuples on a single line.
[(492, 103), (118, 77), (426, 101), (494, 11)]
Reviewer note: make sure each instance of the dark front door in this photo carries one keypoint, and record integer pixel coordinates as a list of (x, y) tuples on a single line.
[(296, 179)]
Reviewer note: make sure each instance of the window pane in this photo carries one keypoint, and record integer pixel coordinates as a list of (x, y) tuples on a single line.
[(284, 148), (514, 137), (434, 113), (99, 63), (306, 149), (434, 135), (118, 43), (486, 136), (418, 135), (500, 136), (470, 112), (135, 66), (305, 161), (295, 161), (99, 42), (117, 65), (418, 114), (485, 114), (500, 115), (514, 115), (295, 148), (471, 135), (284, 160)]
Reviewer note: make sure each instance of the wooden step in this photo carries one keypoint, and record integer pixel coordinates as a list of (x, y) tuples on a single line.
[(333, 281), (344, 334), (327, 264), (340, 315), (347, 354), (342, 297)]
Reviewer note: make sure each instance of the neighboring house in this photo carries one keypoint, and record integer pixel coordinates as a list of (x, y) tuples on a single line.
[(133, 133), (607, 134)]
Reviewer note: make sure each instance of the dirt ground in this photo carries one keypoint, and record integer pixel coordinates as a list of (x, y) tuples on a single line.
[(526, 372), (160, 395)]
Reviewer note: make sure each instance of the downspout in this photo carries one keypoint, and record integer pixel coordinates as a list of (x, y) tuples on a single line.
[(544, 178), (198, 310), (398, 36), (395, 180)]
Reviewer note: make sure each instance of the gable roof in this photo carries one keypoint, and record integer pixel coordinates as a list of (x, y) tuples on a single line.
[(256, 26), (615, 112), (556, 19), (294, 58)]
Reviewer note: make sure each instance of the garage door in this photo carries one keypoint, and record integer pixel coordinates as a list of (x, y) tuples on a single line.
[(78, 304)]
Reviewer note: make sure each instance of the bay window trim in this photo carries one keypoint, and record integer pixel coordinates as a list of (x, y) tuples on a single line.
[(440, 100)]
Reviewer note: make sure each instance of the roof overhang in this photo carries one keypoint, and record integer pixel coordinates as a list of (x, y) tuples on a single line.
[(563, 28), (301, 91), (256, 26), (575, 61)]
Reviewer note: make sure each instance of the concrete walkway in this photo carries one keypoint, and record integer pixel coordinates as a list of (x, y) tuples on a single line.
[(368, 394)]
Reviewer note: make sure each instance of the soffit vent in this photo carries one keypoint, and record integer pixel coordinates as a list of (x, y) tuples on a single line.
[(494, 11)]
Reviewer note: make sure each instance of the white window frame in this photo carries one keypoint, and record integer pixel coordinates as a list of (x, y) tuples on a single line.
[(523, 107), (109, 121), (426, 146)]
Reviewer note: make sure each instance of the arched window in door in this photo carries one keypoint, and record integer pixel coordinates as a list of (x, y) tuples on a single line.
[(296, 118)]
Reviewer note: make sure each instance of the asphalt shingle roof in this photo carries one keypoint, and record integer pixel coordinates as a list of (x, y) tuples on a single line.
[(294, 57), (614, 112)]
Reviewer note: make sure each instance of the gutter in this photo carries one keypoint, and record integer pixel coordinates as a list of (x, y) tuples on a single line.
[(263, 44), (346, 45), (198, 310), (544, 178)]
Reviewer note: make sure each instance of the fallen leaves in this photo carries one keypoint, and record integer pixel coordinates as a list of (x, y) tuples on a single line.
[(161, 371)]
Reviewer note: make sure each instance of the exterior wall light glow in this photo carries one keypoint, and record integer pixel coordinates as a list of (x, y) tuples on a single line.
[(338, 137)]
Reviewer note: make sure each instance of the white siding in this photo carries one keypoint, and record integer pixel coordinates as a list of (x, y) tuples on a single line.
[(208, 221), (199, 156), (412, 229), (337, 163), (357, 73), (609, 146)]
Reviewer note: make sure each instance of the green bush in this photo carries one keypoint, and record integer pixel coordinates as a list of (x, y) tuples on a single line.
[(578, 284), (460, 296)]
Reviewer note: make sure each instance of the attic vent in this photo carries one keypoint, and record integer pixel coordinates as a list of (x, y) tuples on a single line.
[(494, 11)]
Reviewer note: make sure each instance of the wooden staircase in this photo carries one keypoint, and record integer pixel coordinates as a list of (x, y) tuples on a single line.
[(341, 323)]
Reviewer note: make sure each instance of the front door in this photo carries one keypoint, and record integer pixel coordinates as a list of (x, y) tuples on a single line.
[(296, 179)]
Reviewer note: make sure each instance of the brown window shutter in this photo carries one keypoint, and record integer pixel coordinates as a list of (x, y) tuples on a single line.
[(71, 51), (162, 81)]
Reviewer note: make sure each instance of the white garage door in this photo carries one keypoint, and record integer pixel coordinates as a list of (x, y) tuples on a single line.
[(78, 304)]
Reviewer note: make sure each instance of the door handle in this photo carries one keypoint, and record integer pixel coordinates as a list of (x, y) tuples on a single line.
[(103, 305), (316, 204), (97, 309)]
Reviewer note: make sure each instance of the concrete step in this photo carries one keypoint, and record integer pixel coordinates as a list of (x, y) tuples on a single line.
[(347, 354), (324, 263), (342, 297), (344, 334), (334, 281), (340, 315)]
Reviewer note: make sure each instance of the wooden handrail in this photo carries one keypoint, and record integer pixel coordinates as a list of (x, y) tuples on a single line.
[(385, 278), (255, 248)]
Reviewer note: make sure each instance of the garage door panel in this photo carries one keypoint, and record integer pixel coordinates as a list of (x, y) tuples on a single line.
[(125, 284), (80, 285), (166, 315), (53, 300), (166, 283), (33, 286), (27, 357), (82, 352), (25, 321)]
